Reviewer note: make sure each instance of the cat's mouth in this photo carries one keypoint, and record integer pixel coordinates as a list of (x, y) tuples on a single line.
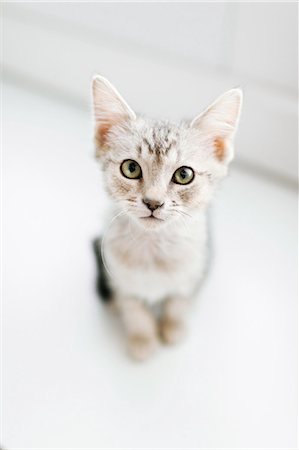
[(151, 221), (151, 218)]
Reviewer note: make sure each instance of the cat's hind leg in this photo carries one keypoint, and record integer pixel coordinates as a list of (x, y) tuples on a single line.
[(140, 327)]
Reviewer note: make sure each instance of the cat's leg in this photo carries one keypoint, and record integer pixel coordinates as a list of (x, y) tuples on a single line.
[(140, 327), (172, 322)]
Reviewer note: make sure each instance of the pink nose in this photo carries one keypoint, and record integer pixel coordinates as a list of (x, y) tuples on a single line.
[(152, 204)]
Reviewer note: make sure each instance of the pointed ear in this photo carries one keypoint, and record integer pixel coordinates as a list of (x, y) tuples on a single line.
[(218, 123), (109, 108)]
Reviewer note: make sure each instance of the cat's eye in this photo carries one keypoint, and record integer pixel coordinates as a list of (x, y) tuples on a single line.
[(183, 175), (131, 169)]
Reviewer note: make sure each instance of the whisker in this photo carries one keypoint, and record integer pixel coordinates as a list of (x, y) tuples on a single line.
[(182, 212), (121, 213)]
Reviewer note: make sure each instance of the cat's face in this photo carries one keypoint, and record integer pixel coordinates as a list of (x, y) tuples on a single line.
[(154, 172), (159, 172)]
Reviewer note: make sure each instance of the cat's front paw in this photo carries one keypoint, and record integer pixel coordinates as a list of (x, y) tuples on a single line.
[(140, 346), (172, 331)]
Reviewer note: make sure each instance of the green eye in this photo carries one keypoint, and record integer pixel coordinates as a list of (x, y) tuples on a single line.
[(131, 169), (183, 175)]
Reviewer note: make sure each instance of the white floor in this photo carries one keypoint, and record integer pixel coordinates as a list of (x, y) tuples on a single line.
[(67, 382)]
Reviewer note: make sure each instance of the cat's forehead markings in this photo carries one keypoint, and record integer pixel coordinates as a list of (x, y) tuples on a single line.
[(159, 139)]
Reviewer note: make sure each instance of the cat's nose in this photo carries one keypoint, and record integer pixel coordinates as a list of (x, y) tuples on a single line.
[(152, 204)]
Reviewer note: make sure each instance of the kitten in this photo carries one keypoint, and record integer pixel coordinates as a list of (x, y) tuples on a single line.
[(161, 178)]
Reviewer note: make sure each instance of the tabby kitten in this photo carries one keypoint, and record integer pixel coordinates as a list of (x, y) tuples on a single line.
[(161, 177)]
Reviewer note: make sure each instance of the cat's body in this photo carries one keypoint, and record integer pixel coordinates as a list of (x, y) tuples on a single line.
[(141, 266), (161, 177)]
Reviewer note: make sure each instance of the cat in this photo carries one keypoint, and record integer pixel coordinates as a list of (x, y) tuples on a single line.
[(161, 178)]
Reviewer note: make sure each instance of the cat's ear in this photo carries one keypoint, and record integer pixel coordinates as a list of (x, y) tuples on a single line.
[(218, 123), (109, 108)]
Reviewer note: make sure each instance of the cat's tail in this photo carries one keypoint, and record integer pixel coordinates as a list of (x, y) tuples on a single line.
[(102, 284)]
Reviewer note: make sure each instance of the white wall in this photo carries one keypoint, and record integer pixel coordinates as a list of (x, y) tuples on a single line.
[(169, 59)]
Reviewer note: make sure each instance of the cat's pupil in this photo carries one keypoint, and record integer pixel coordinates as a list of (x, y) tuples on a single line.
[(183, 173), (132, 167)]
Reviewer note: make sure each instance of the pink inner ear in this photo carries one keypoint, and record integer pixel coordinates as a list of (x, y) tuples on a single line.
[(220, 148), (101, 133), (103, 128)]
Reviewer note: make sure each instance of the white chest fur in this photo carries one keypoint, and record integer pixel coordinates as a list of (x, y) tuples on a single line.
[(154, 265)]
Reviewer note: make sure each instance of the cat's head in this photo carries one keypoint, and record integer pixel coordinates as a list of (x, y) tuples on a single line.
[(158, 171)]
